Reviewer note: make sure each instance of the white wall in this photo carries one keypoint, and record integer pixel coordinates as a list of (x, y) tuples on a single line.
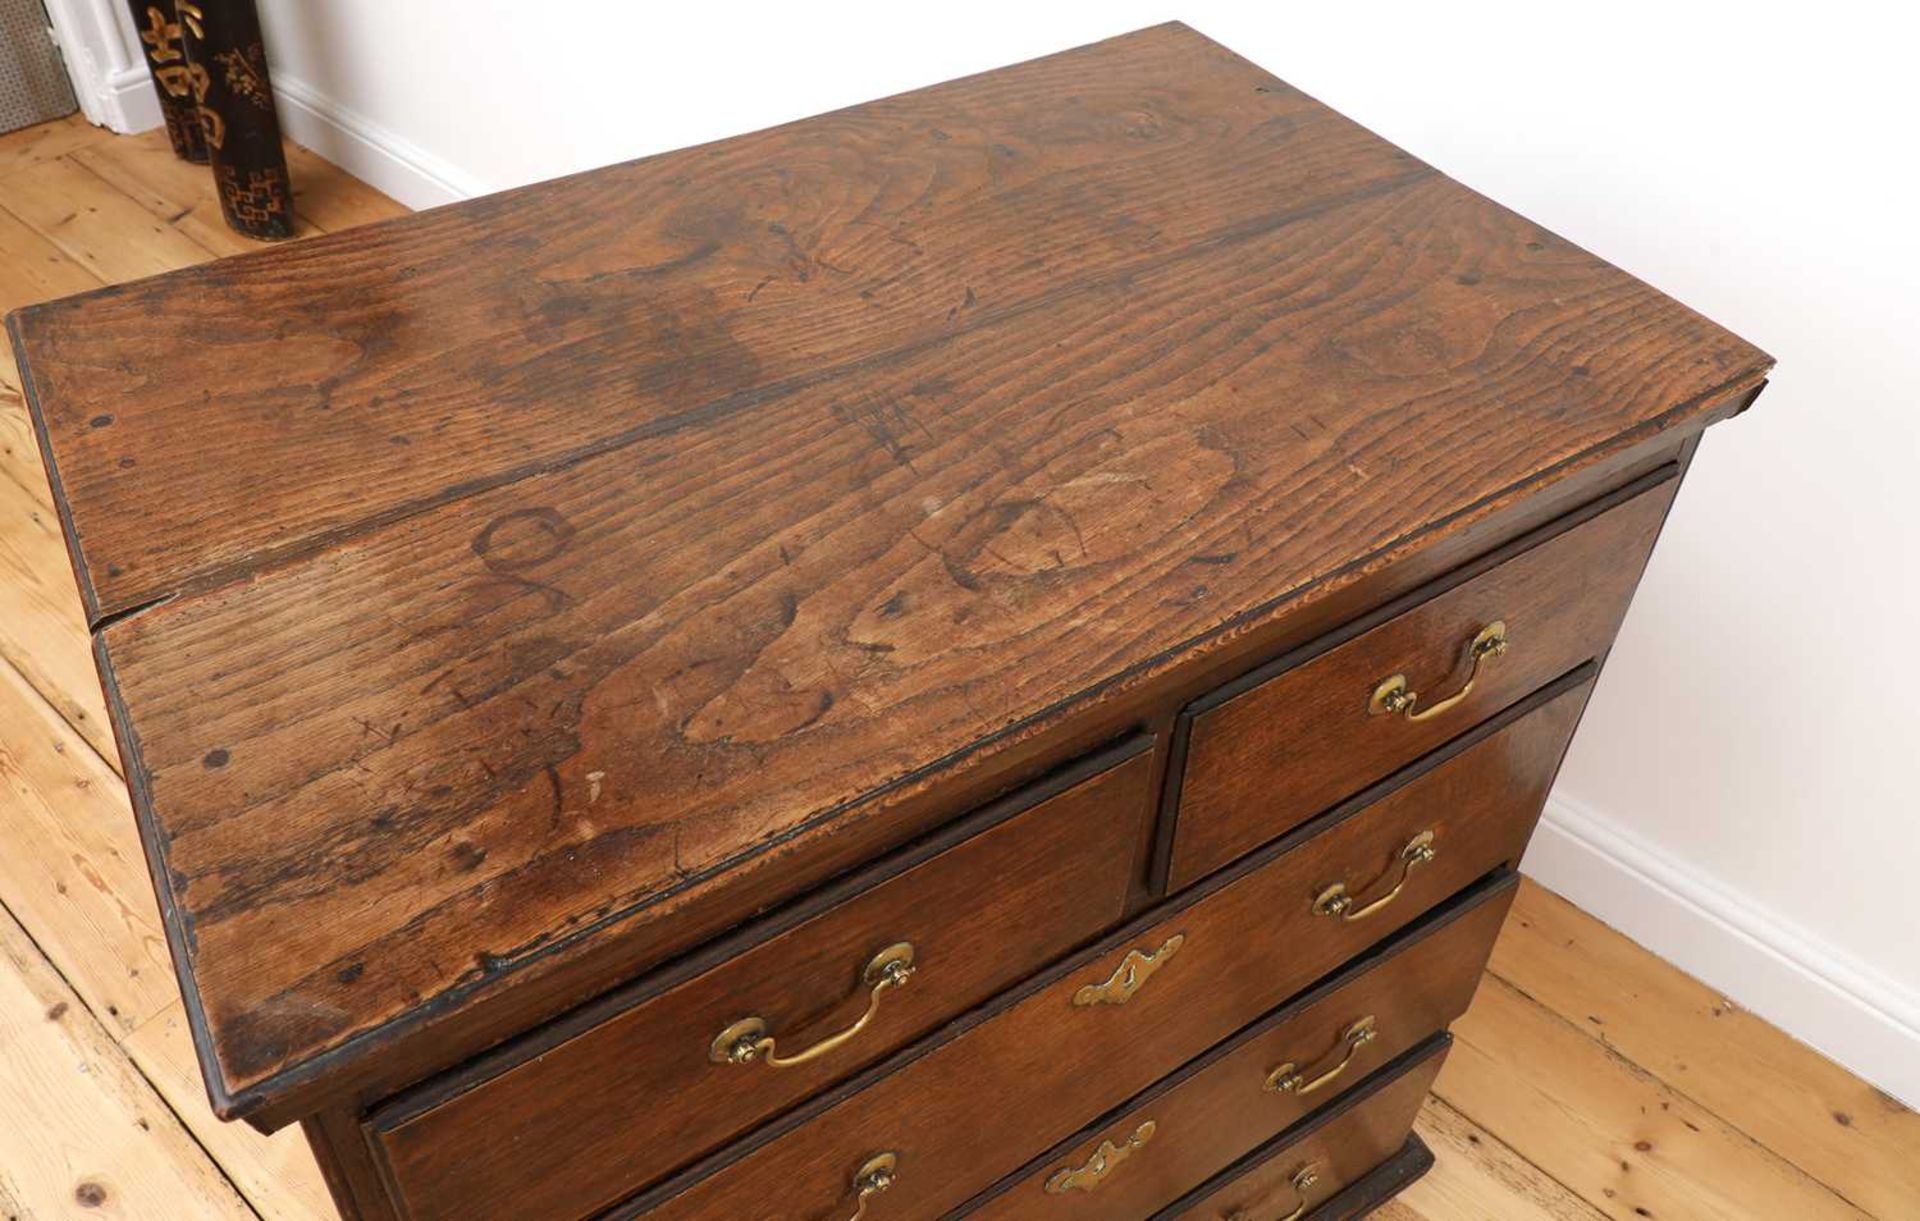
[(1739, 798)]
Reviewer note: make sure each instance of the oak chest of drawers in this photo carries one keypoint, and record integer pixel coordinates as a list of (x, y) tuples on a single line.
[(990, 653)]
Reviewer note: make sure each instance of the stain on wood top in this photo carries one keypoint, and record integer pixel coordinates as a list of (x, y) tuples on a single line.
[(472, 584)]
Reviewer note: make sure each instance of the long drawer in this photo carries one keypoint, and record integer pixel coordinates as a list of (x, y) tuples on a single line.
[(1075, 1043), (585, 1113), (1232, 1100), (1279, 745), (1300, 1170)]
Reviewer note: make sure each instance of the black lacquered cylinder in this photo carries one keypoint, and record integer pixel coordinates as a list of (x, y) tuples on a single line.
[(159, 26), (227, 68)]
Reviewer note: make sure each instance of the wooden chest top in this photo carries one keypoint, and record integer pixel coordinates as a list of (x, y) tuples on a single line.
[(476, 588)]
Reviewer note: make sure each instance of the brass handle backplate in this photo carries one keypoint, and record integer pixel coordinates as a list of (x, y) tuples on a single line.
[(875, 1176), (1130, 976), (1335, 901), (1101, 1164), (1303, 1181), (749, 1039), (1291, 1079), (1392, 697)]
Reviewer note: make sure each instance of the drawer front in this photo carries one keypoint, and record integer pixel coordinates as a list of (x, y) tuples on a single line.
[(1364, 1196), (1234, 1100), (1299, 1171), (640, 1093), (1012, 1080), (1282, 744)]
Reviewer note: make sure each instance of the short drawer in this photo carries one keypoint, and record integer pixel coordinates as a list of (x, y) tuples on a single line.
[(1205, 1117), (1300, 1170), (1283, 743), (946, 1119), (615, 1097)]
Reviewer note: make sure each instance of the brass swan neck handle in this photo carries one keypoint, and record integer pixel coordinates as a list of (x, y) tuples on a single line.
[(1393, 697), (750, 1039), (1336, 901)]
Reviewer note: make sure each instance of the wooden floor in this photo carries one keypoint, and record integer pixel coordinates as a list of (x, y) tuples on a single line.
[(1590, 1080)]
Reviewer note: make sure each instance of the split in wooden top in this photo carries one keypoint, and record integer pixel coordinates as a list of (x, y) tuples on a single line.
[(476, 587)]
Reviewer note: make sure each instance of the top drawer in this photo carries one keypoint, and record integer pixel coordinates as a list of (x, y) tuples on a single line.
[(1272, 749), (643, 1082)]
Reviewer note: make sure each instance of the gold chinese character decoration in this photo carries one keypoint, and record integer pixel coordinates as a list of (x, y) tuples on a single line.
[(162, 37), (247, 74)]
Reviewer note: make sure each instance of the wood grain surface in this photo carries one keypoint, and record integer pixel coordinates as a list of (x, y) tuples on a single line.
[(89, 1131), (1375, 1193), (479, 587), (1272, 750), (1215, 1110), (105, 1112), (1250, 940), (357, 378), (981, 916), (1654, 1024), (1341, 1147)]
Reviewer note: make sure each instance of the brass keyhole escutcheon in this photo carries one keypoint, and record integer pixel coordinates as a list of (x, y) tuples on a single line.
[(1104, 1161), (1130, 976)]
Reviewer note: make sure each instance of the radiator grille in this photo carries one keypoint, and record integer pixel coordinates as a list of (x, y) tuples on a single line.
[(33, 80)]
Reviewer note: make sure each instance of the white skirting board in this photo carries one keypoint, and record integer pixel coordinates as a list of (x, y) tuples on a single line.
[(125, 101), (105, 62), (379, 157), (1847, 1010)]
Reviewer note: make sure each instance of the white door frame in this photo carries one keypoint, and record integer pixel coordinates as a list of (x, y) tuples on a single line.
[(107, 63)]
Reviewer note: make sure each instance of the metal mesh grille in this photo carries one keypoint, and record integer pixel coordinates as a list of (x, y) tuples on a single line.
[(33, 81)]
